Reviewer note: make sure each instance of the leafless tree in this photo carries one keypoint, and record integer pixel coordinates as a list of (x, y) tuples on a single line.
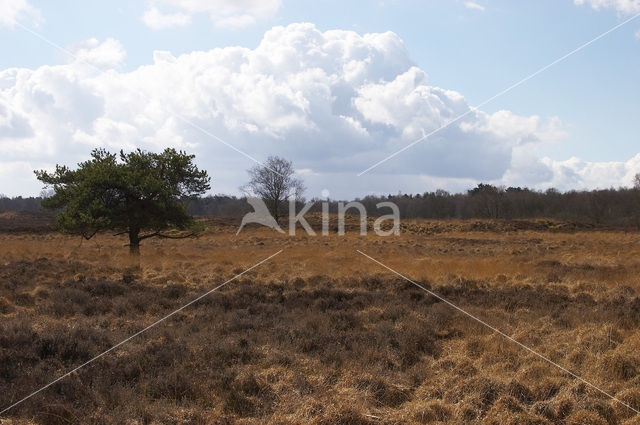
[(636, 187), (274, 182)]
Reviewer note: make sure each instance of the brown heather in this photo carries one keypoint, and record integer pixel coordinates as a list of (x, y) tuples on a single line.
[(320, 334)]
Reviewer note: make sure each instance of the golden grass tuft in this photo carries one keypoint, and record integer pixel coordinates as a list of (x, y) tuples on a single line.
[(320, 334)]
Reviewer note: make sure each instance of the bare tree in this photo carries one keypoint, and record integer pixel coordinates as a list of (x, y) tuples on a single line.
[(274, 182), (636, 182)]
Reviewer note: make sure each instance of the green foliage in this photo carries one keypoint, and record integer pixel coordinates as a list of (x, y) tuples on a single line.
[(127, 192)]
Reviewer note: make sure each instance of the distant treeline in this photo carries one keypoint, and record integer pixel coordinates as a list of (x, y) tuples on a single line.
[(31, 204), (617, 207)]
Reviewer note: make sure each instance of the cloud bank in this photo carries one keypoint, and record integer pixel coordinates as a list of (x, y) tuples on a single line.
[(335, 102)]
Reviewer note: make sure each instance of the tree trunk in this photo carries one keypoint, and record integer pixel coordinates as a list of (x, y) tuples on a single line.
[(276, 212), (134, 242)]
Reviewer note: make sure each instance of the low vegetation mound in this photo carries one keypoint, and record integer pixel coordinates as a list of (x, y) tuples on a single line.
[(25, 221)]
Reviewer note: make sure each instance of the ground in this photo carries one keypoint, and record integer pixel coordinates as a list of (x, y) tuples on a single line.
[(320, 333)]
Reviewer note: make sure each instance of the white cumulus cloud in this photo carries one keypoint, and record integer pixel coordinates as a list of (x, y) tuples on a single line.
[(12, 11), (626, 7), (155, 19), (107, 54), (224, 14), (334, 102)]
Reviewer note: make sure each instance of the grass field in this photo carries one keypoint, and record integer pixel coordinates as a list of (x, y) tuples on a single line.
[(321, 334)]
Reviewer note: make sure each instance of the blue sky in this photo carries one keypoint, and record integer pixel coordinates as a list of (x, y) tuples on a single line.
[(587, 106)]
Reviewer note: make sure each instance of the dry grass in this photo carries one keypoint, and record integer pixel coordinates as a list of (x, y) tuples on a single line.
[(320, 334)]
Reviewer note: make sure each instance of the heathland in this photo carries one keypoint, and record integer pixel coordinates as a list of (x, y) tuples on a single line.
[(320, 333)]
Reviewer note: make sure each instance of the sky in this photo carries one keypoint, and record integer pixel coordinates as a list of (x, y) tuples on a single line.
[(416, 87)]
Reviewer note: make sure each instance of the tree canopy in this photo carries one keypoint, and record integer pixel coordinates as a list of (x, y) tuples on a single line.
[(142, 194)]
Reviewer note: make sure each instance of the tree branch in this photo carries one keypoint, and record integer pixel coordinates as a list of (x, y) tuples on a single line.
[(163, 236), (150, 235), (88, 236), (188, 235)]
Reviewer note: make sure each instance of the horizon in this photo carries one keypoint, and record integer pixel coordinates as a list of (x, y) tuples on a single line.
[(465, 192)]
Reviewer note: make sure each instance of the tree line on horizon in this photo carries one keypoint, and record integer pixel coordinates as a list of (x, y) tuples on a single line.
[(615, 207)]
